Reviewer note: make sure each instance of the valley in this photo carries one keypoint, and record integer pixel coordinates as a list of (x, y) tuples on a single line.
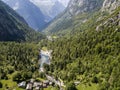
[(78, 49), (37, 13)]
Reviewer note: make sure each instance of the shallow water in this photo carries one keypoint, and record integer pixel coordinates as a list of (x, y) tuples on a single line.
[(45, 59)]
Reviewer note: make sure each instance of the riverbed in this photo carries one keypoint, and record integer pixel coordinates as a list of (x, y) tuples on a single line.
[(45, 58)]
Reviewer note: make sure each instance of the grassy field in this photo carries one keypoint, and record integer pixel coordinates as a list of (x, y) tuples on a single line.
[(86, 87), (9, 83), (51, 88)]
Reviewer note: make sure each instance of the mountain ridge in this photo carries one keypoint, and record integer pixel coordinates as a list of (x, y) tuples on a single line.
[(37, 13), (14, 28), (75, 7), (50, 8), (84, 9), (29, 11)]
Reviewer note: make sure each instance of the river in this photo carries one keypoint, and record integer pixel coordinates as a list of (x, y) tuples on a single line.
[(45, 58)]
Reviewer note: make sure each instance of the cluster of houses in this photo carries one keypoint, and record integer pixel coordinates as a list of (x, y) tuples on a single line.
[(36, 85)]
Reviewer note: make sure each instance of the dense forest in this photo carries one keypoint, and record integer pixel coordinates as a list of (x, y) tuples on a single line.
[(87, 52), (19, 60), (92, 56)]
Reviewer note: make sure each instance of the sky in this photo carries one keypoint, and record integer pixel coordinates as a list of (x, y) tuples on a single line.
[(64, 2), (50, 2)]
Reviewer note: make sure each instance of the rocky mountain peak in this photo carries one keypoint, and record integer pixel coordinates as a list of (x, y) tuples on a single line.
[(110, 5)]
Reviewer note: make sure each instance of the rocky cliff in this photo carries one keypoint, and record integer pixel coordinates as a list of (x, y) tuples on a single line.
[(112, 8), (110, 5), (80, 6), (75, 7)]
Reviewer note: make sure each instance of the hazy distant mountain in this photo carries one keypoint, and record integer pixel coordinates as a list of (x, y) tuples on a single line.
[(29, 11), (50, 8), (38, 13), (13, 27), (55, 10)]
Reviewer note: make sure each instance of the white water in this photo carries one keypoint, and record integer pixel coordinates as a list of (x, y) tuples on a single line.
[(45, 57)]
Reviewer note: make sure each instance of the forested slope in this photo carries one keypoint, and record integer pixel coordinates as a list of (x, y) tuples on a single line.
[(14, 28), (18, 62), (90, 56)]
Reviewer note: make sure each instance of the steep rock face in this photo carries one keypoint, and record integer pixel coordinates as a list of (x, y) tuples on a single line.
[(75, 7), (110, 5), (113, 20), (79, 6), (13, 27), (31, 13)]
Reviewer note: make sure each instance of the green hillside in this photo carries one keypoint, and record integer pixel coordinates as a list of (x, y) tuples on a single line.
[(85, 50), (18, 62), (14, 28), (90, 56)]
